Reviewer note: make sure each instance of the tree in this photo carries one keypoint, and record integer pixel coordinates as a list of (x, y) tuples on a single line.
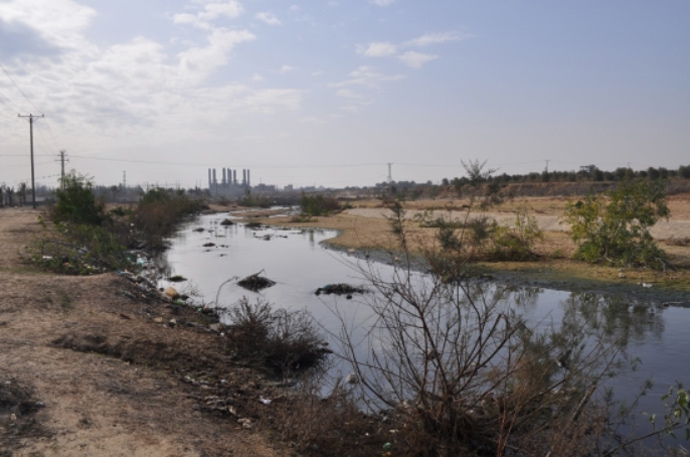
[(614, 226)]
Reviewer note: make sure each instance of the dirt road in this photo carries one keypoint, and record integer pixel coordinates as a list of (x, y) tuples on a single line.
[(89, 368)]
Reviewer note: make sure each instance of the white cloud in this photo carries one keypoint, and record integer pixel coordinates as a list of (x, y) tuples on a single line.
[(257, 77), (415, 59), (436, 38), (197, 63), (352, 109), (378, 49), (231, 9), (268, 18), (286, 69), (366, 77), (347, 93), (294, 8), (59, 22), (382, 2)]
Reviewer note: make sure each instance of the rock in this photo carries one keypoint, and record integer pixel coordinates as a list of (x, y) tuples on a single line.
[(245, 422), (216, 327), (171, 293)]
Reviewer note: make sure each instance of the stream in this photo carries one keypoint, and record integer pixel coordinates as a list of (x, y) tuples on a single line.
[(215, 258)]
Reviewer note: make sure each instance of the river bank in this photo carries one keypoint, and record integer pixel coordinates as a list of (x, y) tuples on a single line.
[(364, 227), (89, 366)]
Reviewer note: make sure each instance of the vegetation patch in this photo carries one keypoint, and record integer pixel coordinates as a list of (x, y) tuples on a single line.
[(281, 341), (255, 282), (613, 227), (318, 205)]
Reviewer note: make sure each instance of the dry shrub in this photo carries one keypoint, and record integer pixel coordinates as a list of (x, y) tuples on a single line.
[(279, 340), (331, 425)]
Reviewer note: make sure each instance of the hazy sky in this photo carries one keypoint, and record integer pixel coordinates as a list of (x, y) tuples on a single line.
[(328, 92)]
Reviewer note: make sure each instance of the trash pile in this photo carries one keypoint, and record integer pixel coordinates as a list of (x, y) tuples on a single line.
[(255, 282)]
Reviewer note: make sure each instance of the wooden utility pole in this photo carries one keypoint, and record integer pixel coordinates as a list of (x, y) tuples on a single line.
[(31, 138)]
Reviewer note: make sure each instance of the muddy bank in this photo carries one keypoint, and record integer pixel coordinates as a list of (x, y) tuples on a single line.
[(548, 274)]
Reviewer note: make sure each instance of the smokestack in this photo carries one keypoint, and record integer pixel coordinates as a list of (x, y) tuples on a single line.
[(210, 181), (234, 176), (244, 177), (248, 179), (215, 181), (224, 176)]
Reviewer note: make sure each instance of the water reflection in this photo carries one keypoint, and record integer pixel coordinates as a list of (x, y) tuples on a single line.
[(299, 264)]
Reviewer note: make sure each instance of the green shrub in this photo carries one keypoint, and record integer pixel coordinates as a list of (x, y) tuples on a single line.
[(318, 205), (614, 226), (159, 211), (79, 249), (253, 201), (516, 243), (76, 202)]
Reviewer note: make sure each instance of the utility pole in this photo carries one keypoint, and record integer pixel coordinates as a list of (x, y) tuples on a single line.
[(62, 168), (547, 166), (31, 138)]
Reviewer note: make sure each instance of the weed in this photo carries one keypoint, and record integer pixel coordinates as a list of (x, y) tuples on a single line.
[(318, 205), (281, 341)]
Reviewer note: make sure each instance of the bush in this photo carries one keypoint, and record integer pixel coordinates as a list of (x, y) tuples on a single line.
[(76, 202), (159, 211), (614, 226), (318, 205), (281, 341), (79, 249), (515, 243)]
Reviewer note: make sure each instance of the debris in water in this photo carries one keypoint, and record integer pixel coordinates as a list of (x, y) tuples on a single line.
[(255, 282), (227, 222), (340, 289)]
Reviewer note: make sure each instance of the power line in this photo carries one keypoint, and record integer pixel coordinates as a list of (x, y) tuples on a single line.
[(18, 88)]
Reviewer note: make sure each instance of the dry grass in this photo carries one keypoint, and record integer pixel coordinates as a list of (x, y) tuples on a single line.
[(370, 230)]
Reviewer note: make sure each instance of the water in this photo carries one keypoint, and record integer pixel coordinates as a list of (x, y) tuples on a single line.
[(299, 264)]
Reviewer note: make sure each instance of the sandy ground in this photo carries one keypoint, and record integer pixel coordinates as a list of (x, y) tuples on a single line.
[(87, 368), (673, 228), (365, 227)]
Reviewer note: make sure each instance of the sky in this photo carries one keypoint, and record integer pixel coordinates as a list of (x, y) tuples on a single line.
[(329, 93)]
